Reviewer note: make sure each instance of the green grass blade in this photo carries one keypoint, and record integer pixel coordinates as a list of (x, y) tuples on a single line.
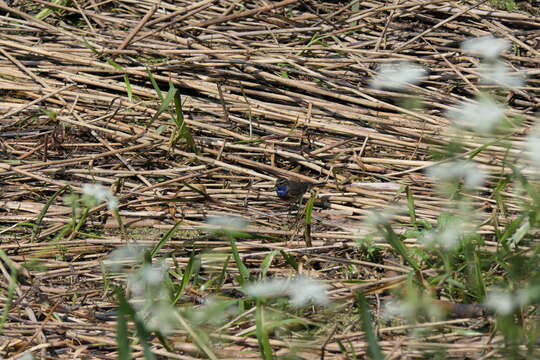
[(118, 67), (129, 89), (43, 14), (122, 334), (91, 48), (511, 230), (115, 65), (127, 311), (182, 129), (374, 349), (36, 227), (51, 114), (143, 336), (244, 271), (188, 272), (262, 334), (410, 205), (155, 84), (168, 235), (222, 275), (396, 243), (11, 291), (267, 262), (198, 339), (289, 259), (474, 270), (308, 219), (164, 105)]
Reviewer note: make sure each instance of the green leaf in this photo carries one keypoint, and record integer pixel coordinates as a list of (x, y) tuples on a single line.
[(154, 84), (127, 311), (115, 65), (289, 259), (309, 210), (244, 271), (188, 272), (36, 227), (164, 239), (43, 14), (128, 88), (122, 334), (267, 262), (396, 243), (12, 285), (410, 205), (164, 105), (51, 114), (374, 349), (262, 333), (182, 129), (510, 230)]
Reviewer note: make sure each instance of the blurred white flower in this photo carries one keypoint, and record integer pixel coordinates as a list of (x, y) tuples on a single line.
[(533, 145), (305, 290), (397, 308), (154, 274), (503, 303), (213, 311), (456, 170), (150, 297), (447, 238), (411, 307), (486, 47), (100, 194), (300, 290), (147, 287), (148, 283), (128, 254), (498, 73), (268, 288), (397, 76), (482, 116), (228, 222), (382, 216), (162, 318)]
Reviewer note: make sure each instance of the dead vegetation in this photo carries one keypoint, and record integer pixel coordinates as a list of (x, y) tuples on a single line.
[(268, 89)]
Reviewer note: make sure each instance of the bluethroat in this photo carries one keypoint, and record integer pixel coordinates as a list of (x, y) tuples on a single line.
[(290, 189)]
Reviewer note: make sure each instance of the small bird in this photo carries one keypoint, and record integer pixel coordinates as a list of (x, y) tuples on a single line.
[(290, 189)]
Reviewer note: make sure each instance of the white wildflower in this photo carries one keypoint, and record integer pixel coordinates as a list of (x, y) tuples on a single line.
[(445, 238), (213, 311), (382, 216), (498, 73), (162, 318), (482, 116), (228, 222), (451, 171), (148, 283), (396, 308), (300, 291), (128, 254), (100, 194), (397, 76), (154, 274), (533, 145), (268, 288), (305, 290), (486, 47), (503, 303)]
